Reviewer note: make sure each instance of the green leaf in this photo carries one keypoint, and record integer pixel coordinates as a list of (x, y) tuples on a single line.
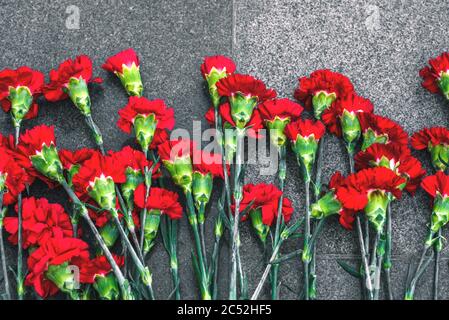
[(349, 269), (287, 257)]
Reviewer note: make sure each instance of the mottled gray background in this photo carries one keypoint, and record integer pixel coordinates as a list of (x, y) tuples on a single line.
[(380, 45)]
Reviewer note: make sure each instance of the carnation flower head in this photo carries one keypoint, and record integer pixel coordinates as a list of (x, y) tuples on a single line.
[(277, 114), (18, 90), (437, 186), (49, 264), (213, 69), (125, 65), (436, 141), (41, 221), (321, 89), (72, 160), (244, 92), (378, 129), (70, 80), (436, 75), (145, 117), (13, 178)]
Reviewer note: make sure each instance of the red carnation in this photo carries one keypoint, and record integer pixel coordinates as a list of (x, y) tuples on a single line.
[(159, 199), (41, 220), (354, 193), (437, 184), (331, 83), (13, 178), (175, 148), (266, 197), (130, 158), (394, 157), (23, 77), (245, 85), (305, 128), (80, 68), (125, 58), (136, 106), (377, 129), (434, 74), (97, 267), (208, 162), (78, 157), (352, 104), (430, 137), (160, 136), (280, 108), (219, 64), (54, 252)]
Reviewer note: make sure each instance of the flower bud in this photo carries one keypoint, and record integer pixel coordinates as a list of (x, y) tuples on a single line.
[(305, 149), (109, 233), (102, 190), (351, 129), (48, 163), (242, 108), (107, 287), (144, 128), (151, 228), (277, 128), (322, 101), (131, 80), (202, 188), (79, 94), (261, 229), (376, 209), (326, 206), (21, 100), (181, 171)]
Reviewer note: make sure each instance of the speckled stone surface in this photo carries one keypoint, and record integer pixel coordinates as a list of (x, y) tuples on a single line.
[(380, 45)]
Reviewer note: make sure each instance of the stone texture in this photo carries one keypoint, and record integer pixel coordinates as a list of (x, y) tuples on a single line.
[(380, 45)]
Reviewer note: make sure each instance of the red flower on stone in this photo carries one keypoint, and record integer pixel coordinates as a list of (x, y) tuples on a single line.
[(79, 68), (41, 221), (352, 104), (141, 106), (218, 63), (31, 142), (245, 85), (430, 137), (305, 128), (126, 58), (353, 194), (78, 157), (160, 136), (13, 178), (97, 267), (384, 130), (175, 148), (432, 74), (159, 199), (280, 108), (208, 162), (437, 184), (322, 81), (22, 77), (394, 157), (265, 197), (54, 252)]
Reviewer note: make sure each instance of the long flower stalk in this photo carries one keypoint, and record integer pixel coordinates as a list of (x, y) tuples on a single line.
[(437, 249), (365, 264), (386, 265), (2, 250)]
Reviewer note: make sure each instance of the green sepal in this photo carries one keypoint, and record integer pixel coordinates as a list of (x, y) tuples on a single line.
[(439, 155), (326, 206), (103, 192), (151, 228), (144, 129), (322, 101), (133, 179), (276, 128), (305, 149), (230, 141), (351, 130), (74, 169), (440, 213), (109, 233), (202, 185), (181, 171), (242, 108), (62, 277), (131, 80), (212, 78), (376, 209), (443, 84), (107, 287), (3, 176), (79, 94), (370, 138), (21, 100), (48, 163), (259, 227)]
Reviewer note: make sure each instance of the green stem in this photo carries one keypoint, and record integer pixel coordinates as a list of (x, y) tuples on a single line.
[(122, 282), (319, 165), (2, 250), (368, 283), (307, 249), (388, 249), (437, 268), (98, 137)]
